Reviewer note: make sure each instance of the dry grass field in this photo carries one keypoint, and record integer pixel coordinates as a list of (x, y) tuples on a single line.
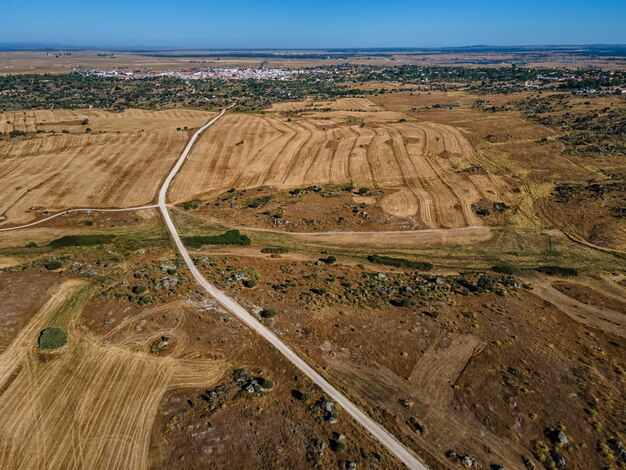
[(91, 403), (38, 62), (450, 354), (430, 166), (120, 163)]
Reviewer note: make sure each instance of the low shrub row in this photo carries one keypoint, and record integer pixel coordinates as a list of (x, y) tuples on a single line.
[(81, 240), (399, 262), (231, 237)]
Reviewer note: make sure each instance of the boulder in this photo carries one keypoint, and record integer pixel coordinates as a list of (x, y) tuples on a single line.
[(557, 437), (558, 459)]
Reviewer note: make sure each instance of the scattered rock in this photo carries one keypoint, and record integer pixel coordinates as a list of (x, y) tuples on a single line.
[(417, 426), (500, 206), (330, 412), (619, 450), (165, 267), (558, 459), (557, 437), (468, 462), (169, 282), (407, 403)]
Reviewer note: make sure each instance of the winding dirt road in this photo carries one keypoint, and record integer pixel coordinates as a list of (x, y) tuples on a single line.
[(380, 433)]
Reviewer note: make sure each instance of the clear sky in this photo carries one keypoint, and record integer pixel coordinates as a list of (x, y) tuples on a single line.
[(311, 24)]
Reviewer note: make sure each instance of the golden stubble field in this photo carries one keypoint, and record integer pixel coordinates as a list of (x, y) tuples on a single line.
[(92, 403), (432, 167), (120, 163)]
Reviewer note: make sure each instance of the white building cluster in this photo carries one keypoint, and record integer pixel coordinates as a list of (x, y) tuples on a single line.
[(224, 73)]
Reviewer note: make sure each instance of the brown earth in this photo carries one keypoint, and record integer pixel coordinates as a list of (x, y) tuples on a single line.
[(384, 355)]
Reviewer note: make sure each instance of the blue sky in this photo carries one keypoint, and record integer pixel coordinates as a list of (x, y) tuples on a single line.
[(312, 24)]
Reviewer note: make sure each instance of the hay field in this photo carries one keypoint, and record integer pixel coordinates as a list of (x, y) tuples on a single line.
[(426, 163), (121, 163), (92, 403)]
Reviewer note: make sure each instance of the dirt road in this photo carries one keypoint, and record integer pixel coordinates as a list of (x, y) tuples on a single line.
[(380, 433)]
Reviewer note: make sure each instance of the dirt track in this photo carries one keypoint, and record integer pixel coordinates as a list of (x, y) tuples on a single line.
[(606, 319)]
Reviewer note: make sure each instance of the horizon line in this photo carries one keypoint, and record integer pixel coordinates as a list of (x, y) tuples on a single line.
[(47, 47)]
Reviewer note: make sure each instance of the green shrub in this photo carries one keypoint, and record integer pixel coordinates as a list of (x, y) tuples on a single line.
[(338, 447), (31, 245), (558, 271), (81, 240), (250, 282), (503, 269), (399, 262), (329, 260), (265, 382), (405, 302), (146, 299), (52, 338), (279, 250), (193, 204), (52, 264), (268, 313), (231, 237), (139, 289), (258, 202)]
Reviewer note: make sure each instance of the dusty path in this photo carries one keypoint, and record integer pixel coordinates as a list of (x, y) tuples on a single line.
[(380, 433), (602, 318)]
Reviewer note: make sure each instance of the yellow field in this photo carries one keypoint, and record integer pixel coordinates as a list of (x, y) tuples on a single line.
[(92, 403), (358, 142), (120, 164)]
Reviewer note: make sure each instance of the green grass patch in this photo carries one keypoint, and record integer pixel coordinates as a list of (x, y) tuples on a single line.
[(399, 262), (52, 338), (231, 237), (81, 240)]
